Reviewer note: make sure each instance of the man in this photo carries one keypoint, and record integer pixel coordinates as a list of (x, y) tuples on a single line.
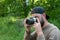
[(43, 29)]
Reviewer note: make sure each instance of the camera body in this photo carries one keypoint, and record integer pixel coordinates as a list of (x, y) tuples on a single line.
[(31, 21)]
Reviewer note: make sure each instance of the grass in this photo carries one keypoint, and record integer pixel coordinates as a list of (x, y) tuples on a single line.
[(11, 28)]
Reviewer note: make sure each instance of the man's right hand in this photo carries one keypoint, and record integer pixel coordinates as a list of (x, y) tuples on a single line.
[(27, 27)]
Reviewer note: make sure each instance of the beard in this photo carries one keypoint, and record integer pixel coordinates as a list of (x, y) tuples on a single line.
[(42, 21)]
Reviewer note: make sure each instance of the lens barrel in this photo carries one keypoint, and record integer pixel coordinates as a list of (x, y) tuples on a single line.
[(31, 20)]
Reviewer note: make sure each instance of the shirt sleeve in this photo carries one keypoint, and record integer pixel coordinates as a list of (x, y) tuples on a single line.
[(54, 35)]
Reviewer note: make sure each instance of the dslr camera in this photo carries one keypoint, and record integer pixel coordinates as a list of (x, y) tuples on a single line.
[(31, 21)]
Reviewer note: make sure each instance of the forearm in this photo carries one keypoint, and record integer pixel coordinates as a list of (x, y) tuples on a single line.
[(40, 37), (27, 35)]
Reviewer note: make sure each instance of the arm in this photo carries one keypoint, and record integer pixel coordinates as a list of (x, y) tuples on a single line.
[(38, 29), (27, 35), (40, 37), (30, 36), (27, 32)]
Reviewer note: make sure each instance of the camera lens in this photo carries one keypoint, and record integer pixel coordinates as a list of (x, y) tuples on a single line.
[(31, 20)]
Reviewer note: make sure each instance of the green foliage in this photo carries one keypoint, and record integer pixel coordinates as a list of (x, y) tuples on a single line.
[(21, 7), (14, 8), (48, 4), (11, 28), (54, 16)]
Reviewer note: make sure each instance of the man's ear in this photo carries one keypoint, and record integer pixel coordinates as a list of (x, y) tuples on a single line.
[(44, 15)]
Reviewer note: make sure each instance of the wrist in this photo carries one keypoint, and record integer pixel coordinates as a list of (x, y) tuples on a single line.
[(39, 33), (28, 32)]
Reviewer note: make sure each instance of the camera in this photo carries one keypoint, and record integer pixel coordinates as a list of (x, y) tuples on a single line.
[(31, 21)]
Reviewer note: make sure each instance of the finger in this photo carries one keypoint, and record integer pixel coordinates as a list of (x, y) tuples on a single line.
[(25, 20), (35, 23)]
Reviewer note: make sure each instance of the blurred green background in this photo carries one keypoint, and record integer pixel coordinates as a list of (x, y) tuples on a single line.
[(13, 12)]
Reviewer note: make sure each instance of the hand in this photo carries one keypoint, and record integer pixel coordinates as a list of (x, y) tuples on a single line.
[(37, 27), (27, 27)]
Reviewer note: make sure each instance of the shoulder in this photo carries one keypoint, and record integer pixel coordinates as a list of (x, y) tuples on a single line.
[(54, 30), (54, 33)]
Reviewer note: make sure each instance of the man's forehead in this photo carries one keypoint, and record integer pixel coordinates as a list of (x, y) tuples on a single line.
[(36, 14)]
